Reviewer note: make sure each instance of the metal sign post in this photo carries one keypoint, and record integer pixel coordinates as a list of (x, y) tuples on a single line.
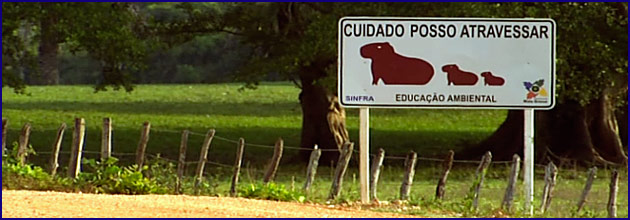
[(528, 167), (364, 157)]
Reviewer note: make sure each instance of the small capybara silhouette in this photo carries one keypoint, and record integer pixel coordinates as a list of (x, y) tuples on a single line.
[(458, 77), (492, 80), (395, 69)]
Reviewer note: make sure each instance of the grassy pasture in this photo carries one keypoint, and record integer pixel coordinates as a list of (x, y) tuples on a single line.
[(261, 116)]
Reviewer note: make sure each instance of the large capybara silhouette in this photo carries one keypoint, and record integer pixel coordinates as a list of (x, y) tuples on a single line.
[(492, 80), (395, 69), (458, 77)]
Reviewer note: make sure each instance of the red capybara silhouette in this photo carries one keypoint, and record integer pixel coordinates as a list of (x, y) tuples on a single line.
[(492, 80), (458, 77), (395, 69)]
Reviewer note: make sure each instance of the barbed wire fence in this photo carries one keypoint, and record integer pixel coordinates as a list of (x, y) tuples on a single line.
[(286, 147)]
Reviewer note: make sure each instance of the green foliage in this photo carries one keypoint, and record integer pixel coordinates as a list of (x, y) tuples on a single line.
[(107, 177), (78, 68), (16, 52), (162, 171), (10, 167), (12, 154), (114, 33), (202, 59), (587, 213), (591, 46), (271, 191), (27, 176)]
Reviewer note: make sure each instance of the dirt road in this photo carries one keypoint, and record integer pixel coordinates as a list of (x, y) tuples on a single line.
[(36, 204)]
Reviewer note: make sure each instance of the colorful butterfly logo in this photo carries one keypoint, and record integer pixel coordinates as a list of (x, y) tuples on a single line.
[(535, 89)]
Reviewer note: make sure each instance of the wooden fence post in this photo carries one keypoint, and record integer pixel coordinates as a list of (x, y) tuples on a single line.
[(142, 144), (237, 166), (587, 188), (508, 198), (551, 172), (4, 135), (275, 161), (54, 157), (23, 146), (480, 175), (446, 166), (203, 157), (410, 165), (340, 170), (106, 139), (612, 196), (311, 170), (77, 148), (376, 172), (181, 162)]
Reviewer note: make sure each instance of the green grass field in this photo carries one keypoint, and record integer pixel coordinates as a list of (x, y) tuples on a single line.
[(261, 116)]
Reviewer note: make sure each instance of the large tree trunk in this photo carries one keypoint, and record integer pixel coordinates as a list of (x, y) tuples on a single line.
[(604, 130), (48, 51), (323, 119), (588, 134)]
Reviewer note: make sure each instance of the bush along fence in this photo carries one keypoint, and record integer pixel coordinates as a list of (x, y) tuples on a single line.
[(78, 137)]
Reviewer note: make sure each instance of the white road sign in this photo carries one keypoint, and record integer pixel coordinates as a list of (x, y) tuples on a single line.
[(447, 62)]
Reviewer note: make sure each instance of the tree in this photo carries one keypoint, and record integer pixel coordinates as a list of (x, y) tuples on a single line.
[(113, 33), (591, 86), (15, 49), (299, 42)]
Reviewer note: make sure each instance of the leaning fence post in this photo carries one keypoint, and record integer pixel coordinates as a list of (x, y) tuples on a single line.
[(275, 161), (54, 157), (551, 172), (511, 187), (142, 144), (311, 170), (181, 162), (340, 170), (410, 164), (587, 188), (237, 166), (106, 139), (77, 148), (480, 176), (446, 166), (376, 172), (4, 135), (612, 196), (203, 157), (24, 136)]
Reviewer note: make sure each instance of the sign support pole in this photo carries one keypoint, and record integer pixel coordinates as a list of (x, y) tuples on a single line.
[(528, 177), (364, 153)]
